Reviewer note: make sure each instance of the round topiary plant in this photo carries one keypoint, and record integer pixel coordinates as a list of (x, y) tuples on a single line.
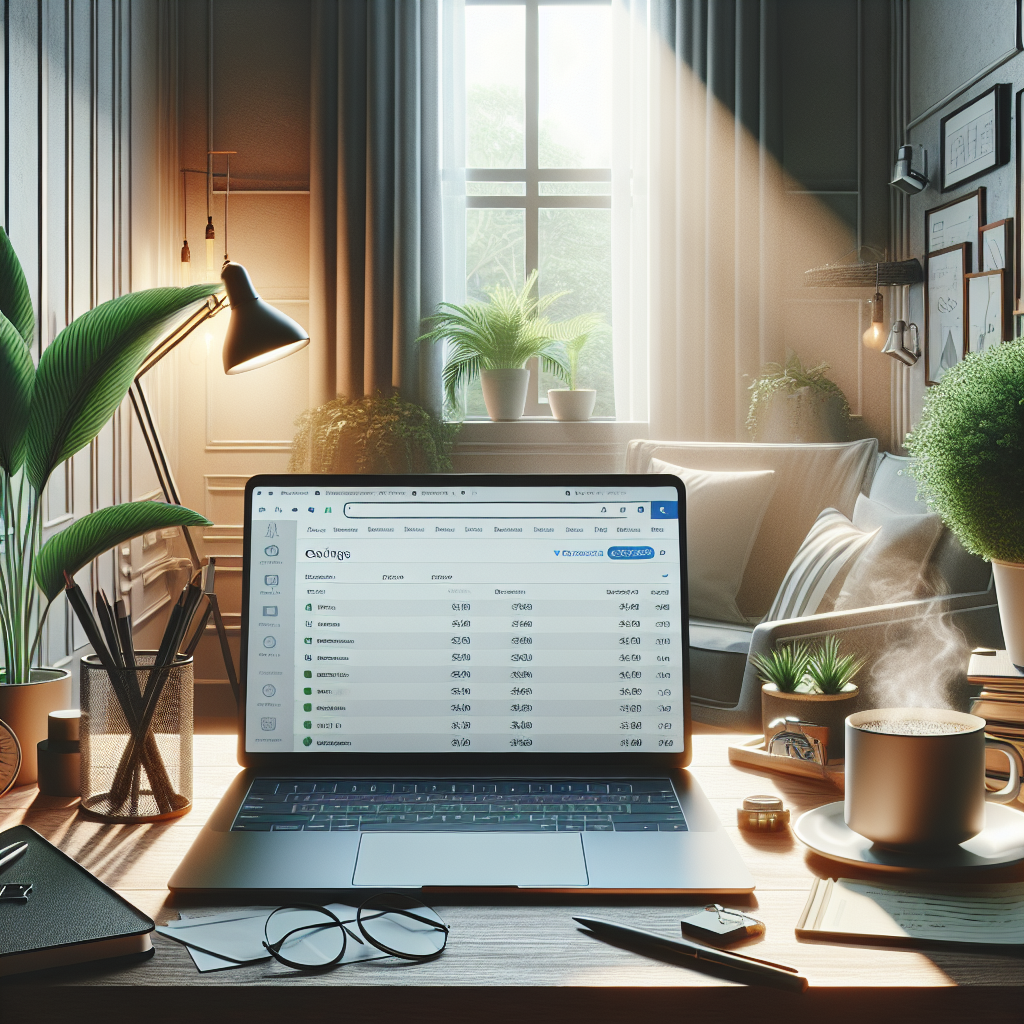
[(969, 451)]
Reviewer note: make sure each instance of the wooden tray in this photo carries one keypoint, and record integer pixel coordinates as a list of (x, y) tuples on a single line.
[(752, 753)]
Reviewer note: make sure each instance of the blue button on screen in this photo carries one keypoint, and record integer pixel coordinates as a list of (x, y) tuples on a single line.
[(631, 551), (664, 509)]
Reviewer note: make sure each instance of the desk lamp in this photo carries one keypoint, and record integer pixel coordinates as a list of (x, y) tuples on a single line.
[(257, 334)]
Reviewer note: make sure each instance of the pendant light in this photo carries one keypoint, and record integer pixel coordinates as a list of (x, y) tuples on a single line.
[(257, 333), (185, 271), (875, 336)]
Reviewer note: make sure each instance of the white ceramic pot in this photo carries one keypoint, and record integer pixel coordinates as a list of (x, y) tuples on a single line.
[(572, 405), (1009, 577), (25, 707), (505, 393)]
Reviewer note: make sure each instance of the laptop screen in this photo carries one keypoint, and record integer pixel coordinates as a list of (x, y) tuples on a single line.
[(389, 615)]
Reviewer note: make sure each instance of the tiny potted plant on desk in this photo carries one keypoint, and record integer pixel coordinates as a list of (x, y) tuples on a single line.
[(574, 403), (494, 341), (814, 686), (969, 461), (47, 414)]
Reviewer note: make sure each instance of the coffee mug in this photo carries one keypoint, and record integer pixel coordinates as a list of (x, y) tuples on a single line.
[(915, 777)]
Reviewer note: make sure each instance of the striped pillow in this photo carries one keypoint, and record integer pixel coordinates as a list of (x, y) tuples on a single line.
[(815, 578)]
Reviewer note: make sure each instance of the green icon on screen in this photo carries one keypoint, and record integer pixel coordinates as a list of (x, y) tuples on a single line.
[(307, 707), (307, 690), (309, 607), (306, 740), (307, 725), (306, 674), (308, 640)]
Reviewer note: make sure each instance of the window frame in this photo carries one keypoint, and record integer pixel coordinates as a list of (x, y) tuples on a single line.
[(532, 174)]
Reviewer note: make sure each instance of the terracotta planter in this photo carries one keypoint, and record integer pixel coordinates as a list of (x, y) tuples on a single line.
[(574, 406), (24, 708), (505, 393), (827, 709), (1009, 578)]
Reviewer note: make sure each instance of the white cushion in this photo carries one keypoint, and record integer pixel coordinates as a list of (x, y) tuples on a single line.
[(808, 478), (814, 579), (723, 515)]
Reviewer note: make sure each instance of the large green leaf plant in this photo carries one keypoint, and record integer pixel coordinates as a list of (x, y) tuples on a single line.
[(47, 413)]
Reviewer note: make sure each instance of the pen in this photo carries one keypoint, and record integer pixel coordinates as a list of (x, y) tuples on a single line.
[(9, 854), (747, 969)]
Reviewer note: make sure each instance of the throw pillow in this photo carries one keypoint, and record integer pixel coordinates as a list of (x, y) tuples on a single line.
[(895, 565), (813, 581), (723, 515)]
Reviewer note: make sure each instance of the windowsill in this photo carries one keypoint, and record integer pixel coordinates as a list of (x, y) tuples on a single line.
[(540, 444)]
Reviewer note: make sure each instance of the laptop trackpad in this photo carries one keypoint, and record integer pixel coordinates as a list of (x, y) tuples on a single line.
[(470, 859)]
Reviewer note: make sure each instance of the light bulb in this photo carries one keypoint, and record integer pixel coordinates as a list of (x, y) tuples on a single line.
[(211, 257), (874, 337), (185, 271)]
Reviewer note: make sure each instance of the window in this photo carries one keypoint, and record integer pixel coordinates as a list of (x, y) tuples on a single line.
[(538, 168)]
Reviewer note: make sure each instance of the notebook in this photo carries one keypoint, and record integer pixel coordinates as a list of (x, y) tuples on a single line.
[(844, 910), (70, 917)]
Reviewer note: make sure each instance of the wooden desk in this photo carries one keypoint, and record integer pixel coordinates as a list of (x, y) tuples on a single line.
[(522, 958)]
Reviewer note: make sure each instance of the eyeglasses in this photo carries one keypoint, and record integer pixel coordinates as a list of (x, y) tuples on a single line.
[(312, 938)]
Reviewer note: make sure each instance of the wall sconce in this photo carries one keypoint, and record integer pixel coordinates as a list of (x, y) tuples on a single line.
[(904, 177), (895, 346)]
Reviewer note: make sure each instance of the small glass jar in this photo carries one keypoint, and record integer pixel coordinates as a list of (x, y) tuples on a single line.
[(125, 777)]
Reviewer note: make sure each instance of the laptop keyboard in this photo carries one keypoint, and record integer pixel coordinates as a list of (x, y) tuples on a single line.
[(455, 805)]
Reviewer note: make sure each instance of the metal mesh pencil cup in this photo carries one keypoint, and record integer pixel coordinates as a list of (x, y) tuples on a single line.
[(135, 774)]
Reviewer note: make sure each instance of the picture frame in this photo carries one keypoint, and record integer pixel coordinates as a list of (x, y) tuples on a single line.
[(945, 309), (995, 246), (988, 310), (975, 138), (955, 223), (1018, 237)]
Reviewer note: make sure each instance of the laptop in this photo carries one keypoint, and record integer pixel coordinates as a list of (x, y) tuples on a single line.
[(464, 683)]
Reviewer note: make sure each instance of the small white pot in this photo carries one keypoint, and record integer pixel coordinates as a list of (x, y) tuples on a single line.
[(1009, 577), (505, 393), (572, 405)]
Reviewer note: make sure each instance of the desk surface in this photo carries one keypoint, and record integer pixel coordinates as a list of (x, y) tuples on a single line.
[(523, 956)]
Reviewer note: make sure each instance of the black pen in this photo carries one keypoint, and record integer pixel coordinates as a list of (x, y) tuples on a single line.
[(9, 854), (747, 969)]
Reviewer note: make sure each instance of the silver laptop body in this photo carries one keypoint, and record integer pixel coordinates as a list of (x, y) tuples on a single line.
[(464, 683)]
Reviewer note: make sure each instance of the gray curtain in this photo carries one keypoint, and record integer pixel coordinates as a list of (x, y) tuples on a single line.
[(714, 193), (375, 198)]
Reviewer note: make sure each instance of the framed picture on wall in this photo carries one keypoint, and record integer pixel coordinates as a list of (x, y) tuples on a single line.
[(1018, 254), (988, 310), (975, 138), (995, 246), (955, 222), (945, 319)]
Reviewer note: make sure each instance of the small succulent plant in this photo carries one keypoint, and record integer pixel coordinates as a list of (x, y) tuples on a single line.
[(830, 671), (785, 666)]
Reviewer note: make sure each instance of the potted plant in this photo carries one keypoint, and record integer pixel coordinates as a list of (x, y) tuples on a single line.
[(494, 341), (969, 461), (793, 403), (373, 434), (47, 413), (573, 403), (815, 687)]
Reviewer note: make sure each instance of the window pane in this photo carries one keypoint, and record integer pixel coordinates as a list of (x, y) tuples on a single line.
[(495, 255), (575, 86), (574, 188), (495, 188), (576, 257), (495, 85)]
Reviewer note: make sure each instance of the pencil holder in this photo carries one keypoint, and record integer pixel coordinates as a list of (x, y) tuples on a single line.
[(136, 740)]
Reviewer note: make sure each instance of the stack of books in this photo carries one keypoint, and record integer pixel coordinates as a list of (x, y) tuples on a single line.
[(1000, 702)]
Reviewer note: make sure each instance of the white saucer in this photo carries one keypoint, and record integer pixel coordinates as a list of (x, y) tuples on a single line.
[(1001, 842)]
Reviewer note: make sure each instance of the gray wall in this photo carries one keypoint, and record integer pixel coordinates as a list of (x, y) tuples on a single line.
[(82, 88), (949, 45)]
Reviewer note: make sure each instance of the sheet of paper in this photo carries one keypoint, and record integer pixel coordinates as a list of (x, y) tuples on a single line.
[(232, 939), (991, 913)]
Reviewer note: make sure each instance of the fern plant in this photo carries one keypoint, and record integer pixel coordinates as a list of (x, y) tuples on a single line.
[(503, 334), (574, 335), (789, 378), (47, 413), (373, 434), (969, 451), (829, 671), (785, 666)]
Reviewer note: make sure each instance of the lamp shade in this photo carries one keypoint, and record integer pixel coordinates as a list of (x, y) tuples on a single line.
[(257, 333)]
